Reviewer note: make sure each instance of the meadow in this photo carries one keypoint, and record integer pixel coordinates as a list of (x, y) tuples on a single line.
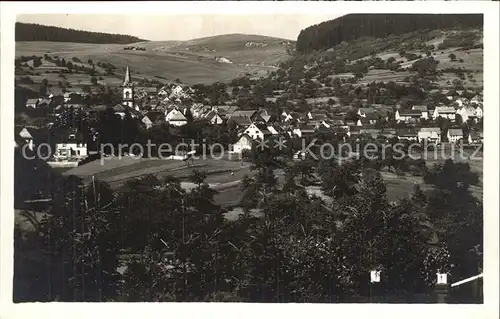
[(192, 61)]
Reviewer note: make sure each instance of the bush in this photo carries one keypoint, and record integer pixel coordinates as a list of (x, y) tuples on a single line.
[(463, 39), (246, 155), (26, 80), (400, 173)]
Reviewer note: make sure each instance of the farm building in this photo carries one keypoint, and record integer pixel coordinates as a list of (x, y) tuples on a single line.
[(455, 134), (243, 143), (430, 134)]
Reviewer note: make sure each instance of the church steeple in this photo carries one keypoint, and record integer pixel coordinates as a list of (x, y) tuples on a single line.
[(127, 81), (128, 91)]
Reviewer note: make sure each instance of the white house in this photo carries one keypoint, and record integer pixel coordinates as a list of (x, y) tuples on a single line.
[(447, 112), (65, 151), (28, 135), (175, 118), (408, 116), (243, 143), (454, 135), (476, 100), (257, 131), (475, 137), (431, 134), (163, 92), (151, 118), (119, 110), (470, 113), (32, 103), (479, 112), (198, 110), (71, 147), (303, 131), (214, 118), (176, 91), (406, 134), (423, 109)]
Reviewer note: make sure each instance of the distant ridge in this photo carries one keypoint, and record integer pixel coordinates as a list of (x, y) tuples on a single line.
[(37, 32), (352, 26)]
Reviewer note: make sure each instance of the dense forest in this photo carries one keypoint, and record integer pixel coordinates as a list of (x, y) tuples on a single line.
[(36, 32), (350, 27)]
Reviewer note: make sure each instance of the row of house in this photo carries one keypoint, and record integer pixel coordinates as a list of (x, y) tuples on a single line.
[(433, 135), (472, 112)]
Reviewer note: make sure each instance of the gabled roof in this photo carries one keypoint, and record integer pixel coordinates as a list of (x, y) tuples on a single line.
[(241, 113), (430, 130), (228, 108), (319, 116), (210, 115), (266, 117), (476, 134), (29, 132), (244, 135), (470, 111), (44, 101), (263, 128), (372, 116), (240, 121), (337, 118), (337, 122), (410, 113), (406, 132), (455, 132), (366, 110), (177, 116), (119, 108), (64, 135), (154, 116), (419, 107), (445, 109)]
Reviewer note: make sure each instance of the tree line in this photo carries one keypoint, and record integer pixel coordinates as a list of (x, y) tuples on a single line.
[(37, 32), (151, 240), (350, 27)]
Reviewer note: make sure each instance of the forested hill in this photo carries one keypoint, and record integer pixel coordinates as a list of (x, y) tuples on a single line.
[(36, 32), (350, 27)]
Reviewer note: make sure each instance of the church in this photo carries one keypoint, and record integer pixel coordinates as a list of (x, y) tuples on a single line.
[(128, 92)]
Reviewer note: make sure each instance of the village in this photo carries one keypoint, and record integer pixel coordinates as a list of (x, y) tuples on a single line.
[(152, 106)]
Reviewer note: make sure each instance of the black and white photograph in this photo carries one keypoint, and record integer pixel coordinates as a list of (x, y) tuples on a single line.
[(329, 157)]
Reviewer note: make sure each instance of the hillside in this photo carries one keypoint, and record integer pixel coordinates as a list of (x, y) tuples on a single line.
[(36, 32), (193, 61), (453, 59), (353, 26)]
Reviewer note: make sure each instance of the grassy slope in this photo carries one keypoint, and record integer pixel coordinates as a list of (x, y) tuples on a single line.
[(187, 60), (390, 46)]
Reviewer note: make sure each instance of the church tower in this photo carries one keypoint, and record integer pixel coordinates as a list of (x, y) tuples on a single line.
[(128, 90)]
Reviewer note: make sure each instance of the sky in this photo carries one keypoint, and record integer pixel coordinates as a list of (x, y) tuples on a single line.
[(182, 27)]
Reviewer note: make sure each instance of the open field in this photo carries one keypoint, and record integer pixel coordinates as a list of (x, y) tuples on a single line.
[(117, 171), (191, 61)]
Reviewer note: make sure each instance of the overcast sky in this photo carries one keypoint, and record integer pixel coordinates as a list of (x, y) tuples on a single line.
[(182, 27)]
